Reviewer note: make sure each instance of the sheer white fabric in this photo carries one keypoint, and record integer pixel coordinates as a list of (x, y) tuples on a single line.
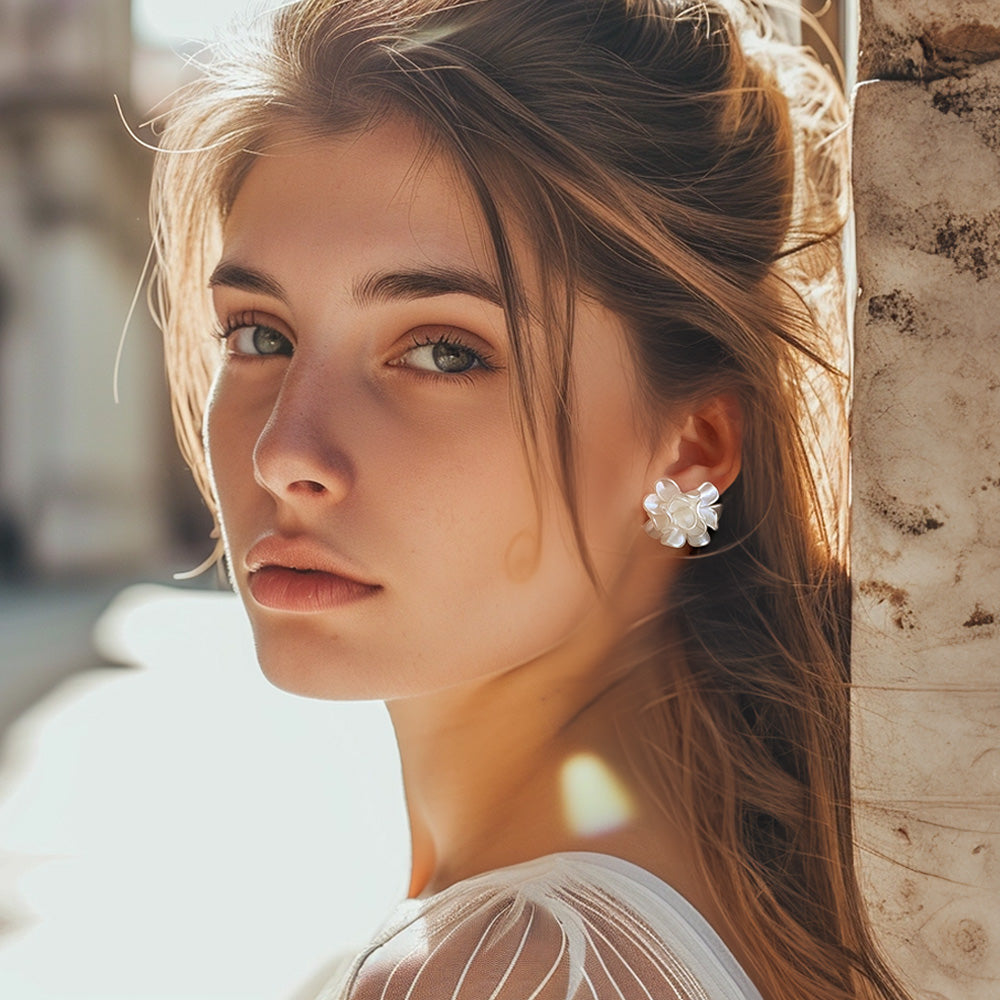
[(571, 926)]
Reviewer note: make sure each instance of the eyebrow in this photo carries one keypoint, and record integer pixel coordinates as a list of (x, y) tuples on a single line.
[(247, 280), (379, 286), (386, 286)]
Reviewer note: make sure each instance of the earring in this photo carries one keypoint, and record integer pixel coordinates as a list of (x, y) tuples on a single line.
[(679, 519)]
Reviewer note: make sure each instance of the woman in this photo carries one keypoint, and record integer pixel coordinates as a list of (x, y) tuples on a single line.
[(498, 283)]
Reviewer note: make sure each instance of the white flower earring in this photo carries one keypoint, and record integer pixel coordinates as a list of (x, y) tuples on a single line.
[(679, 519)]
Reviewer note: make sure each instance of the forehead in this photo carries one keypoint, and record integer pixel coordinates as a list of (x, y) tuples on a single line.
[(386, 196)]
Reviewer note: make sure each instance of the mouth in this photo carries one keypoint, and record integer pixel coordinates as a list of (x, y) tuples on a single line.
[(283, 588), (289, 575)]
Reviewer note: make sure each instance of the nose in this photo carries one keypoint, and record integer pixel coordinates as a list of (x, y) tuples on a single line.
[(297, 456)]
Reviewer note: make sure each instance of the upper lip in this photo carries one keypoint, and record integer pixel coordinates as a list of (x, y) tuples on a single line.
[(301, 554)]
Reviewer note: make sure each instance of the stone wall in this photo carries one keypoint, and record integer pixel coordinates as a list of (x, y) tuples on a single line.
[(926, 511)]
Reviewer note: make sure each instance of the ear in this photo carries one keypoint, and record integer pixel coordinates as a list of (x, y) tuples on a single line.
[(705, 447)]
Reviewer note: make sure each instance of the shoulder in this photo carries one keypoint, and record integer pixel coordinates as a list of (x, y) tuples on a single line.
[(538, 931), (504, 949)]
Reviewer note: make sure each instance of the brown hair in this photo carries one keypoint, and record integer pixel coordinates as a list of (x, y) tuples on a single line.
[(685, 168)]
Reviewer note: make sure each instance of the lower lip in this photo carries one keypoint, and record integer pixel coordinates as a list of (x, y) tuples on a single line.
[(297, 590)]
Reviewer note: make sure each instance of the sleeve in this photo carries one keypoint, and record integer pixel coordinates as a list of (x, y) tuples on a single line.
[(524, 942)]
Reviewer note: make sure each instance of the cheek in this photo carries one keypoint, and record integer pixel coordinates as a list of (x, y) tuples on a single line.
[(483, 586), (490, 561), (229, 433), (470, 516), (612, 472), (613, 490)]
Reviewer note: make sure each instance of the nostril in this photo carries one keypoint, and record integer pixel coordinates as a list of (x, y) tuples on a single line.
[(294, 458), (307, 486)]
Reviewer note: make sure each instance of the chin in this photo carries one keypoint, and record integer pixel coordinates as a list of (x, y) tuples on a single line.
[(327, 683), (329, 670), (311, 669)]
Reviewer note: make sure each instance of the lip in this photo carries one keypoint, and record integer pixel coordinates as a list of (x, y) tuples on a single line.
[(288, 574)]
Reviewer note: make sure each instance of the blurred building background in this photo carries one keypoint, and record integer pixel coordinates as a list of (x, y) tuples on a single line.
[(93, 491), (88, 486)]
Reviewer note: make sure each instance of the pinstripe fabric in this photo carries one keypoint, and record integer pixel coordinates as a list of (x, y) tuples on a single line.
[(572, 926)]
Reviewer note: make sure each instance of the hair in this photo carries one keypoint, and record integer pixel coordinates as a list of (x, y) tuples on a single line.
[(679, 163)]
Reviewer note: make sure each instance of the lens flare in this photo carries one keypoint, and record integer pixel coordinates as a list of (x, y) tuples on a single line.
[(595, 801)]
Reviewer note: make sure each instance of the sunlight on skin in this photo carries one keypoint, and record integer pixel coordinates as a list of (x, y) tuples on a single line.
[(595, 800)]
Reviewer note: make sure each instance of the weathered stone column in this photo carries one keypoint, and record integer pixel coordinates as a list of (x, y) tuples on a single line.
[(926, 512)]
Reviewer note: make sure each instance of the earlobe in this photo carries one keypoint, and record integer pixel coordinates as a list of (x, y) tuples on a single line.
[(699, 461)]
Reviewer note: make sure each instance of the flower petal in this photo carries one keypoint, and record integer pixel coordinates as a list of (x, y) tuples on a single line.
[(651, 529), (651, 503), (686, 518), (666, 489), (707, 492), (710, 515), (675, 538), (702, 539)]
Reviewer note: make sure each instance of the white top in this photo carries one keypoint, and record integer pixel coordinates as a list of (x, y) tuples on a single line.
[(569, 926)]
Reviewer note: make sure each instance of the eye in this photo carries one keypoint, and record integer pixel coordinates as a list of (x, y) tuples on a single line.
[(445, 355), (245, 337)]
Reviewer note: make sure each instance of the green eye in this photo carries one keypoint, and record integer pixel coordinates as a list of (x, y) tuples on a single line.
[(258, 340), (268, 341), (444, 357)]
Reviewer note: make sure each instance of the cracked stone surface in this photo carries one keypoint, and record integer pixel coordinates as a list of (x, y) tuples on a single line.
[(926, 507), (926, 39)]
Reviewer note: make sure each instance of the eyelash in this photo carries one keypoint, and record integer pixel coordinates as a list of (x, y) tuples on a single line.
[(485, 362), (237, 321)]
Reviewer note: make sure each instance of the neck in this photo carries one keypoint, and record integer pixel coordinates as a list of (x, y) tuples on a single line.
[(531, 762), (495, 773)]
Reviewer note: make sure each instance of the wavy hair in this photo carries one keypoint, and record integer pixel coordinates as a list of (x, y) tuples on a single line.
[(681, 164)]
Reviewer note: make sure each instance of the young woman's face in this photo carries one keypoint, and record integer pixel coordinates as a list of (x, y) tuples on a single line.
[(376, 507)]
